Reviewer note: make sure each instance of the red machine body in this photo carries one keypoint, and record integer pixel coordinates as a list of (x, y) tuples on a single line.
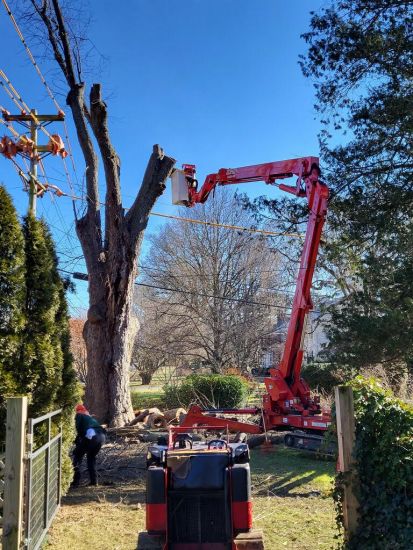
[(198, 494), (288, 402)]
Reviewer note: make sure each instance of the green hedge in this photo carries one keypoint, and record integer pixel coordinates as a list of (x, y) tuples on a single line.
[(209, 391), (384, 458)]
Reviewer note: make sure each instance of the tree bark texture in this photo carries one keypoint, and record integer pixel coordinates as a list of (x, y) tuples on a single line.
[(110, 328)]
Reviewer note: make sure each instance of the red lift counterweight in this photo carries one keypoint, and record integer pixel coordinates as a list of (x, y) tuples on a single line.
[(288, 402)]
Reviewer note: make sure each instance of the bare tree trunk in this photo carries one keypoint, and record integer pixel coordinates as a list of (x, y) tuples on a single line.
[(110, 329), (111, 259), (146, 378)]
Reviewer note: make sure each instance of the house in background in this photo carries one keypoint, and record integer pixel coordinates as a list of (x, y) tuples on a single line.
[(316, 336), (314, 344)]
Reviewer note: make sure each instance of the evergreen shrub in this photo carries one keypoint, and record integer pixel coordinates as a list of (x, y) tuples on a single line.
[(35, 358)]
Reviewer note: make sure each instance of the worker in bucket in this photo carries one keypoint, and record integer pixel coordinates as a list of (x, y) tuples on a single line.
[(89, 440)]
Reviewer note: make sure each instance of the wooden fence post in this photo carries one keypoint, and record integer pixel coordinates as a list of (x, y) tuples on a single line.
[(14, 472), (346, 438)]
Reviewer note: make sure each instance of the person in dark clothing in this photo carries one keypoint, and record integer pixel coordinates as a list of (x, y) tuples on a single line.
[(89, 440)]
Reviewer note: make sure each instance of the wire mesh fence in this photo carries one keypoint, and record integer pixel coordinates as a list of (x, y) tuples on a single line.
[(43, 477)]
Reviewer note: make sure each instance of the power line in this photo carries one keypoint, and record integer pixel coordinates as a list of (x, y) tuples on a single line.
[(29, 53), (49, 91), (227, 226), (208, 277), (249, 302), (201, 222), (9, 125), (84, 277)]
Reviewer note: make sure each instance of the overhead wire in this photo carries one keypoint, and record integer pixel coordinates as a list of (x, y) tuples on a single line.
[(31, 56), (9, 126), (182, 291), (66, 230), (22, 106), (228, 226), (20, 172), (212, 224), (50, 93), (13, 93)]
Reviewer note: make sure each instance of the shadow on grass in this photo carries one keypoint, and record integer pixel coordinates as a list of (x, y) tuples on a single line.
[(282, 473), (150, 542), (284, 486), (290, 473)]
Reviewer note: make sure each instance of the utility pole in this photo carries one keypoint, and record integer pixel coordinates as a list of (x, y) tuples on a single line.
[(33, 122), (33, 167)]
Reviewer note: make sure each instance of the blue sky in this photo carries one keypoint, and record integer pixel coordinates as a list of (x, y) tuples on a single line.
[(215, 82)]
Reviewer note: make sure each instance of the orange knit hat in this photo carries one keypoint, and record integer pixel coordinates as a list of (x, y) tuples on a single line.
[(81, 409)]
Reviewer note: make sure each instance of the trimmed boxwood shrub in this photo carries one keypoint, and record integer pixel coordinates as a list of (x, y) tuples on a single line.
[(209, 391), (384, 459)]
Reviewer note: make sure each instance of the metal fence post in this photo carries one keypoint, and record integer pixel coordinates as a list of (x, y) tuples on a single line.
[(59, 471), (28, 491), (47, 488), (14, 472)]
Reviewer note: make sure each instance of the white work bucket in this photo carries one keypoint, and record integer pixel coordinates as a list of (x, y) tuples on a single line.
[(180, 193)]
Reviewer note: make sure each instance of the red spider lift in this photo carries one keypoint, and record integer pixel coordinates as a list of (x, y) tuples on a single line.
[(199, 494), (287, 403)]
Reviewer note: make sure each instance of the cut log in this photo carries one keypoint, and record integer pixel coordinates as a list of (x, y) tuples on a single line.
[(175, 415), (135, 421), (155, 420), (144, 413), (256, 441)]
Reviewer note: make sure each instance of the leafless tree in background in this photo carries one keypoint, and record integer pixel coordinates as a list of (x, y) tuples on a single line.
[(213, 287)]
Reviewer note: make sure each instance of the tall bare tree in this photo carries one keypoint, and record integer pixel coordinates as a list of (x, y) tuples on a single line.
[(110, 246), (213, 285)]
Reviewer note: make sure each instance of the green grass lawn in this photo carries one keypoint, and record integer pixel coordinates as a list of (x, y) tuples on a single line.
[(146, 397), (291, 498)]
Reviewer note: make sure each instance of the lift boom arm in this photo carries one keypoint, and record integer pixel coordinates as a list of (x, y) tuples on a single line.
[(287, 392)]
